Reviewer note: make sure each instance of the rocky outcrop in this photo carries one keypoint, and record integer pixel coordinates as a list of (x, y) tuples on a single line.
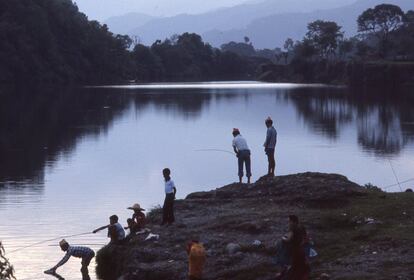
[(239, 225)]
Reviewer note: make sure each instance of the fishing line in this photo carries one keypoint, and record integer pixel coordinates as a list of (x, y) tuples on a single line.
[(395, 175), (48, 240), (402, 182), (214, 150)]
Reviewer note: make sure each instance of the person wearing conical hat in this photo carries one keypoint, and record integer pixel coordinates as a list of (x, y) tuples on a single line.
[(85, 253), (270, 145), (243, 154), (138, 220)]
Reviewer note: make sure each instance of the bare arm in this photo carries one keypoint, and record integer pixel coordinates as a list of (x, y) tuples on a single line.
[(101, 228), (62, 261)]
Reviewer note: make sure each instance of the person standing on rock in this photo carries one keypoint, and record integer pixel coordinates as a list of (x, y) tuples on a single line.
[(270, 145), (170, 191), (243, 154)]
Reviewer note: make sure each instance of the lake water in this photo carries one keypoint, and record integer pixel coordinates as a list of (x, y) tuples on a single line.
[(70, 158)]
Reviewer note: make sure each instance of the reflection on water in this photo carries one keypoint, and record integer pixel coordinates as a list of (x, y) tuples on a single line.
[(70, 158)]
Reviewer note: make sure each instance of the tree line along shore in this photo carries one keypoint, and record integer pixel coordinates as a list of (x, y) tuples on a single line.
[(51, 42)]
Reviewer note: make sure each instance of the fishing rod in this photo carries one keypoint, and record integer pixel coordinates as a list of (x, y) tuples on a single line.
[(214, 150), (48, 240), (402, 182), (395, 175)]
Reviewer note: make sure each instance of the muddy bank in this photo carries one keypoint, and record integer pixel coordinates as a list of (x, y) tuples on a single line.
[(359, 233)]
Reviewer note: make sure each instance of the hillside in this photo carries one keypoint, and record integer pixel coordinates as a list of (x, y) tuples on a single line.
[(226, 18), (263, 22), (50, 41), (270, 31)]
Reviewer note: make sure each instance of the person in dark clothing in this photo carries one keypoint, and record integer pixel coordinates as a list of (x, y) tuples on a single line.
[(270, 145), (170, 191), (291, 254)]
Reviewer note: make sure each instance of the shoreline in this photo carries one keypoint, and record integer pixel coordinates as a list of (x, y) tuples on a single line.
[(356, 231)]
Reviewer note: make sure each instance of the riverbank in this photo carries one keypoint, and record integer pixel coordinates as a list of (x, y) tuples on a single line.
[(359, 233), (357, 74)]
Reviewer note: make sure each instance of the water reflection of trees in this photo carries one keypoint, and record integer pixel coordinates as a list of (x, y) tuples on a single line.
[(38, 127), (385, 125)]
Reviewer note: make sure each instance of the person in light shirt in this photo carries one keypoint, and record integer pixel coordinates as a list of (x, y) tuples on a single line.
[(243, 154), (170, 191)]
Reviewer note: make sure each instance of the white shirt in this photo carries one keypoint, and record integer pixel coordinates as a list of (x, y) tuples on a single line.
[(240, 143), (169, 186)]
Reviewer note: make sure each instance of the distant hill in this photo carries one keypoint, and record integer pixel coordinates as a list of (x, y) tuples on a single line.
[(272, 31), (226, 18), (125, 23), (267, 23)]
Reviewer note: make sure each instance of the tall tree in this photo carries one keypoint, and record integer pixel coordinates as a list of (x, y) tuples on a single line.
[(324, 35), (380, 22), (288, 46)]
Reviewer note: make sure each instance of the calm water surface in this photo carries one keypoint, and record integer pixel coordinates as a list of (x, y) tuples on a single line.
[(70, 158)]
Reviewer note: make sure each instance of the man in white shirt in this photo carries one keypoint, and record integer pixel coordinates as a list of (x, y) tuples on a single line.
[(170, 190), (243, 154)]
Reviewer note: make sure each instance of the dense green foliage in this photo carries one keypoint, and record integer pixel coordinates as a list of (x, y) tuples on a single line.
[(51, 41), (187, 57), (382, 54)]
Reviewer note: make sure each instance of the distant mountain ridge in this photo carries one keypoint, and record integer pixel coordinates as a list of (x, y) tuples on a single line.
[(222, 19), (272, 31), (267, 23), (123, 24)]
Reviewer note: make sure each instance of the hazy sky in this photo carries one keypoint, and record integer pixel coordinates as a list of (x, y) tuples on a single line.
[(103, 9)]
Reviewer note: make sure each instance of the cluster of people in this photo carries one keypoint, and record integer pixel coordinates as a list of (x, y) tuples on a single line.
[(116, 232), (293, 249), (242, 150)]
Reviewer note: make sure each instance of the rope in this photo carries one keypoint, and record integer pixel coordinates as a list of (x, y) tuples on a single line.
[(48, 240)]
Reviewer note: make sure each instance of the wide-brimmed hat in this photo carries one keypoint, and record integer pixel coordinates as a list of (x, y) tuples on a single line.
[(136, 206), (63, 242), (236, 130)]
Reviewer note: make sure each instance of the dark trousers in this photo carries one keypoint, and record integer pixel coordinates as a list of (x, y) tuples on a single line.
[(244, 157), (85, 263), (168, 209), (271, 159)]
